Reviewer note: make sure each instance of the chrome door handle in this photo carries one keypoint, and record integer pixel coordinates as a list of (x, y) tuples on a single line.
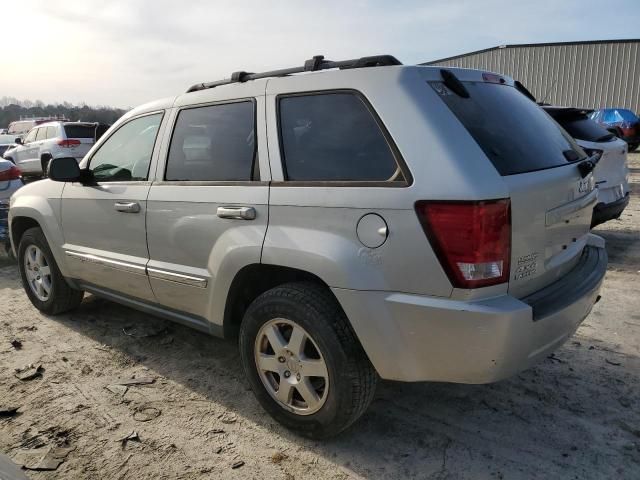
[(127, 207), (237, 213)]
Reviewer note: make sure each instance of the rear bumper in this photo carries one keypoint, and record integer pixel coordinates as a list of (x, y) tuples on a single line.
[(417, 338), (603, 212)]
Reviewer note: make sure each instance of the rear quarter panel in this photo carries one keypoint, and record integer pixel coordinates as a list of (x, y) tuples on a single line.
[(313, 228)]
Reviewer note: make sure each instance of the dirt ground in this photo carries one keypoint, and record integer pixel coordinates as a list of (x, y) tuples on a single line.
[(576, 415)]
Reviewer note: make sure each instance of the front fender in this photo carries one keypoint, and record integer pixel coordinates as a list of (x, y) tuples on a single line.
[(40, 202)]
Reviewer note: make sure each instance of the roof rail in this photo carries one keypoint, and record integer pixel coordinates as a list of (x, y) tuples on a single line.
[(314, 64)]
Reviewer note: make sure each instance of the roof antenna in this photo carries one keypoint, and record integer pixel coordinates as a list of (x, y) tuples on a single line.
[(546, 95)]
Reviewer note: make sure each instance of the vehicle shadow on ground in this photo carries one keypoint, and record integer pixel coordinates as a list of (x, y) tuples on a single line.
[(570, 415)]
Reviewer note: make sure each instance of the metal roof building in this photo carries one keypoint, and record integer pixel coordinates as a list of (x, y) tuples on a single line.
[(592, 74)]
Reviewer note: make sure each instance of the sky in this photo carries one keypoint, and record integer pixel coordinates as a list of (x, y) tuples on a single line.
[(123, 53)]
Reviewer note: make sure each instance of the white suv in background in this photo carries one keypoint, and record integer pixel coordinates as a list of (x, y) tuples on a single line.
[(51, 140), (610, 154)]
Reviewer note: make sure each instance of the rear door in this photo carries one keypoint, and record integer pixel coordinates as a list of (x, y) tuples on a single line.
[(551, 201), (208, 209), (104, 224)]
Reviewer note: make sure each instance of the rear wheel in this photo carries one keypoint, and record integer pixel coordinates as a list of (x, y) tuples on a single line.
[(304, 362), (42, 281)]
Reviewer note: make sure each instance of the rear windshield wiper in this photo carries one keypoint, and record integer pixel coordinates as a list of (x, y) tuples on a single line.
[(455, 85)]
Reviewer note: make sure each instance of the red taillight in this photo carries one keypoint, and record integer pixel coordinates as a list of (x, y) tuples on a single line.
[(68, 143), (12, 174), (471, 239)]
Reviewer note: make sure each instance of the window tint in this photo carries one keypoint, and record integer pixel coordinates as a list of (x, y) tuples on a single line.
[(580, 126), (213, 143), (333, 137), (31, 136), (52, 132), (42, 134), (79, 131), (126, 154), (515, 134)]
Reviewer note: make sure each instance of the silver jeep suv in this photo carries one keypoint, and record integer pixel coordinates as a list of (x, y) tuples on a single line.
[(344, 221)]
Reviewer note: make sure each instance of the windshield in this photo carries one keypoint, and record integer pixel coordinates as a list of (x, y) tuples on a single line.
[(516, 134)]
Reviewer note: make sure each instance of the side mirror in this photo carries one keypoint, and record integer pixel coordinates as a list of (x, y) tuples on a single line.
[(18, 140), (64, 169)]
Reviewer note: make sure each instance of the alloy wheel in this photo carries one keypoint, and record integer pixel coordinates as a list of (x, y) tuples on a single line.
[(38, 272), (291, 366)]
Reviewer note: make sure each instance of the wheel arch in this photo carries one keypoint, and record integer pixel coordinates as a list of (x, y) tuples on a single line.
[(253, 280)]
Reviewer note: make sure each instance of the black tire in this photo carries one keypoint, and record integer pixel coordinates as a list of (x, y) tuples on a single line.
[(352, 378), (46, 159), (633, 147), (62, 297)]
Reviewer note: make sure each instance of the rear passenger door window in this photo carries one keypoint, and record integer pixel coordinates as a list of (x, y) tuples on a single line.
[(334, 137), (214, 143), (52, 132)]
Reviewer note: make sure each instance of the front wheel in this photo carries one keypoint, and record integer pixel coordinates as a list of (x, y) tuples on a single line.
[(304, 362), (42, 281)]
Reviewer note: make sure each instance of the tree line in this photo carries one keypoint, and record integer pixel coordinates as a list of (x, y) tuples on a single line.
[(12, 109)]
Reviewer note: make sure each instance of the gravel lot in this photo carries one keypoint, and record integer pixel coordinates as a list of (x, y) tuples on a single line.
[(576, 415)]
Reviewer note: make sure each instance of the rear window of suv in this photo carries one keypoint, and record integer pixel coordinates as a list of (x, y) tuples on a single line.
[(516, 134), (79, 131), (580, 126)]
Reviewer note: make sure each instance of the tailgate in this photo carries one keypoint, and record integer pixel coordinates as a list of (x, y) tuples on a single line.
[(551, 216), (612, 169)]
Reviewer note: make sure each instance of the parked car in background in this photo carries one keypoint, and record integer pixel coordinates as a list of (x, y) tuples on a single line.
[(372, 220), (51, 140), (6, 142), (621, 121), (610, 154), (10, 182)]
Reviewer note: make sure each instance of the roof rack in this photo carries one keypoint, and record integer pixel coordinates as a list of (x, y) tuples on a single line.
[(314, 64)]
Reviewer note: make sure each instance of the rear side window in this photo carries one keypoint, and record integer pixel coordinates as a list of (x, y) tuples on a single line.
[(42, 134), (514, 133), (582, 127), (333, 137), (214, 143), (79, 131), (52, 132)]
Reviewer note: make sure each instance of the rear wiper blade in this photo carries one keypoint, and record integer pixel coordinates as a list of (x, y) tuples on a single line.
[(455, 85)]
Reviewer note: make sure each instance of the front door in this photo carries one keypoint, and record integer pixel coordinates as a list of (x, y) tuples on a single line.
[(104, 224), (208, 210), (27, 153)]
